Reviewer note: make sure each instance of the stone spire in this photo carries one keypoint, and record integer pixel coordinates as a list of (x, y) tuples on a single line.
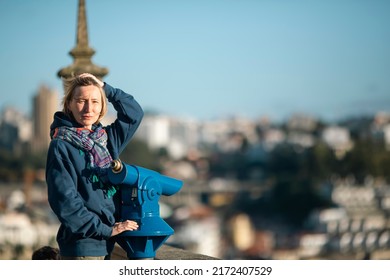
[(82, 53)]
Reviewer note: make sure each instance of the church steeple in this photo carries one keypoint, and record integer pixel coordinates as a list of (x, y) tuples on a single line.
[(82, 53)]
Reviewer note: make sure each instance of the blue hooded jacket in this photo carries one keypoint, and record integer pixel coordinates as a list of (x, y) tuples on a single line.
[(86, 214)]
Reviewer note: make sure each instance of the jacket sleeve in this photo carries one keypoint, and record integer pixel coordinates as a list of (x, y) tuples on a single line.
[(129, 116), (64, 199)]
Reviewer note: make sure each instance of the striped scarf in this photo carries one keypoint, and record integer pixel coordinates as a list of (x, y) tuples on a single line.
[(94, 143)]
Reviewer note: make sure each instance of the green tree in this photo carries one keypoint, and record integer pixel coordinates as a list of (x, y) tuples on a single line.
[(138, 153), (296, 176)]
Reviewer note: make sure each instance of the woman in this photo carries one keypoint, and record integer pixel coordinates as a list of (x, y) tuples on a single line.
[(80, 152)]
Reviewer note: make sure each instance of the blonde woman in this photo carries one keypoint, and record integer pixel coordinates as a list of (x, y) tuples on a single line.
[(80, 150)]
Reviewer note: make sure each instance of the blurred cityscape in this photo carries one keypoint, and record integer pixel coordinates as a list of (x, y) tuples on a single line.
[(253, 188)]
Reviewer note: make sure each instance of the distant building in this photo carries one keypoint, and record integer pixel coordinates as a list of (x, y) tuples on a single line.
[(15, 131), (227, 135), (300, 128), (301, 139), (386, 136), (382, 118), (358, 224), (301, 122), (176, 136), (45, 104), (338, 139), (154, 130), (272, 137)]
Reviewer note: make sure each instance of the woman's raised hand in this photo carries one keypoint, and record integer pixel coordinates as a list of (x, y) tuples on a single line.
[(100, 83)]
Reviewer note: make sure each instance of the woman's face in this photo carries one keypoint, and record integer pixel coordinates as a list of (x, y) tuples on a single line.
[(86, 105)]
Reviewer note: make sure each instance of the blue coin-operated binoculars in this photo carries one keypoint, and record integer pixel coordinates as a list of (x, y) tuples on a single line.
[(140, 190)]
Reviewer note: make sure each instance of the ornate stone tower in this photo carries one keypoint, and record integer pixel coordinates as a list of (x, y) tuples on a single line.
[(82, 53)]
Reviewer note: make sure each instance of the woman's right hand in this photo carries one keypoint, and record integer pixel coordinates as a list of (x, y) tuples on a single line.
[(124, 226)]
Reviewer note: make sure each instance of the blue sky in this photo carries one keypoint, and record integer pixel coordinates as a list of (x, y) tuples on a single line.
[(210, 58)]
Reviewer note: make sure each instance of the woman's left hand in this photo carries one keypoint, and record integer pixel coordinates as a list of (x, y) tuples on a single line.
[(123, 226)]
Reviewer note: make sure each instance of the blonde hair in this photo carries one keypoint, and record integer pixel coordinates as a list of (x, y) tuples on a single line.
[(70, 86)]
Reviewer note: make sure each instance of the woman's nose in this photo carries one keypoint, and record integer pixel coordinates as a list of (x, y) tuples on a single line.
[(87, 106)]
